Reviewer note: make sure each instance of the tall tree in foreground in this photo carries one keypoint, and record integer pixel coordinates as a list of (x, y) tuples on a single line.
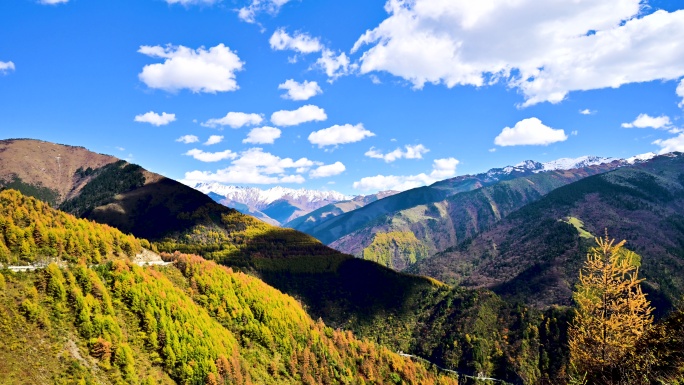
[(611, 314)]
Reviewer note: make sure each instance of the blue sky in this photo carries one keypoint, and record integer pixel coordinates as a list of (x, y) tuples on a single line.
[(367, 95)]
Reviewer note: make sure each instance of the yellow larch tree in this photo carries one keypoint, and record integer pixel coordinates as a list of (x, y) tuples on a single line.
[(611, 314)]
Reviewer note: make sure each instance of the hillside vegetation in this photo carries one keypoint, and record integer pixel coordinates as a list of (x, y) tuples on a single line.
[(192, 323), (534, 254), (445, 222), (31, 231)]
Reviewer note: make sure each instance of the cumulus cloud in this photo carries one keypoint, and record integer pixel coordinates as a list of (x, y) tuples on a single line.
[(332, 136), (529, 131), (262, 135), (299, 42), (587, 111), (234, 120), (441, 169), (213, 139), (544, 49), (155, 119), (409, 152), (672, 144), (646, 121), (53, 2), (444, 168), (335, 65), (199, 70), (187, 139), (248, 13), (307, 113), (680, 92), (6, 66), (210, 156), (328, 170), (255, 166), (300, 91)]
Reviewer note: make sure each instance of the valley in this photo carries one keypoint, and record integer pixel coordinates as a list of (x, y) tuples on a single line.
[(496, 297)]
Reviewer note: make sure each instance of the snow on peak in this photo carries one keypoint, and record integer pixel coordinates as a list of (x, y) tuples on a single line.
[(640, 158), (259, 198), (571, 163)]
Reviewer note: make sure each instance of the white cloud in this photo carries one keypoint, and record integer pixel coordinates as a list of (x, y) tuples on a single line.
[(187, 139), (444, 168), (235, 120), (6, 66), (529, 131), (328, 170), (155, 119), (192, 2), (210, 156), (544, 49), (249, 12), (332, 136), (307, 113), (669, 145), (441, 169), (213, 139), (587, 111), (120, 148), (255, 166), (411, 152), (680, 92), (199, 70), (335, 65), (299, 42), (646, 121), (262, 135), (392, 182), (52, 2), (300, 91)]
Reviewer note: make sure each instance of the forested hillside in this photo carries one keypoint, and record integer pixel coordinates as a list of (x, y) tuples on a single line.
[(535, 253), (193, 323), (440, 224), (31, 231), (468, 331)]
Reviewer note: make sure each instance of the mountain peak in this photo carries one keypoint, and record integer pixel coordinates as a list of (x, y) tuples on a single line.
[(259, 198)]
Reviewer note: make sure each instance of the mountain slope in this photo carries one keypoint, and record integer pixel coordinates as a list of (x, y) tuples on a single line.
[(49, 169), (308, 222), (533, 255), (404, 312), (335, 228), (442, 223), (191, 323)]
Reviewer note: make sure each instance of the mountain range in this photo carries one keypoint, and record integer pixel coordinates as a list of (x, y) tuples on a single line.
[(535, 252), (274, 206), (404, 228), (508, 243)]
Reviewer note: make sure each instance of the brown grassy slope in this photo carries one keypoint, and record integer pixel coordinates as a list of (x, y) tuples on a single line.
[(48, 164)]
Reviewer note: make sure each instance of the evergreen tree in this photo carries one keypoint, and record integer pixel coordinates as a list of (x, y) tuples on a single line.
[(611, 314)]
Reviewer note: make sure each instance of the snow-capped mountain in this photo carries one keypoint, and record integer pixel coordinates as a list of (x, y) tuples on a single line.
[(279, 205), (260, 199), (275, 205), (563, 164)]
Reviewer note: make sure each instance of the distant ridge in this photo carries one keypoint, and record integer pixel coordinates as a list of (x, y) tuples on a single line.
[(402, 229), (275, 205)]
